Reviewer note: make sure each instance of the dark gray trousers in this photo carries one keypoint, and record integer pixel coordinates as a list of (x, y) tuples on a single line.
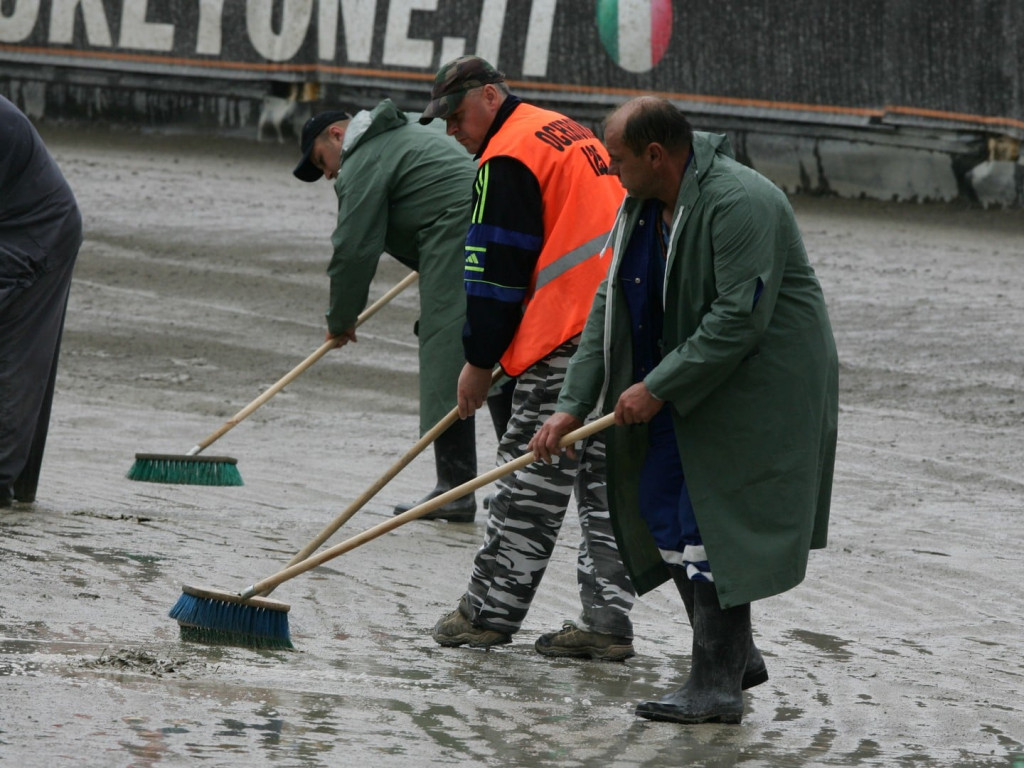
[(31, 326), (526, 515)]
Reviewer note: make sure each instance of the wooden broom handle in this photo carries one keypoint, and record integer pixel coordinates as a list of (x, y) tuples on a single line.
[(384, 479), (370, 534), (289, 377)]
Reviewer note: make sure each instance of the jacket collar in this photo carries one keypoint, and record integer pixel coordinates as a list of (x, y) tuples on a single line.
[(507, 108), (366, 125), (706, 146)]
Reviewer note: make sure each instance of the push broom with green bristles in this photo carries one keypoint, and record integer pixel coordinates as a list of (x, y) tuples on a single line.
[(250, 619), (191, 468)]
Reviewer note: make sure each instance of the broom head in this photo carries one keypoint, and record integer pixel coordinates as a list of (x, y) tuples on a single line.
[(181, 469), (223, 618)]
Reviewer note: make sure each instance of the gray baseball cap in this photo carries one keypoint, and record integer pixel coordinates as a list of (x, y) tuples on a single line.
[(452, 82)]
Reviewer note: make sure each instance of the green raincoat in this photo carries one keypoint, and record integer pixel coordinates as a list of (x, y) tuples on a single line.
[(749, 368), (406, 189)]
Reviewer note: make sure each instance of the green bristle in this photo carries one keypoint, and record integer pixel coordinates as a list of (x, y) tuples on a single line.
[(185, 470)]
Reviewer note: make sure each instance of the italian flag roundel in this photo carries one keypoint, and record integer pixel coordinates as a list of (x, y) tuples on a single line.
[(635, 32)]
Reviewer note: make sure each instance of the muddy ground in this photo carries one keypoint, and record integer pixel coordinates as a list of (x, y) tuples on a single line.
[(201, 283)]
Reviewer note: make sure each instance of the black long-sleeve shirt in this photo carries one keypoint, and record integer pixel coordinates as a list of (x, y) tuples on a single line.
[(504, 241)]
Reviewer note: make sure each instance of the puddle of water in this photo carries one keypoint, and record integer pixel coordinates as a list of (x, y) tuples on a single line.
[(7, 555), (144, 568), (14, 668), (834, 646)]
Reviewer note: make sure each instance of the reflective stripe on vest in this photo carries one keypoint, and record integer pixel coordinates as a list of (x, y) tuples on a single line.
[(580, 201)]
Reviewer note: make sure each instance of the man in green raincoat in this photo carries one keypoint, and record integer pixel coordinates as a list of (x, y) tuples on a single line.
[(711, 342), (406, 189)]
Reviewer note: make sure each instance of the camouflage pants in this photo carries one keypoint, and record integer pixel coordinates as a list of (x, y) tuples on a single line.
[(527, 512)]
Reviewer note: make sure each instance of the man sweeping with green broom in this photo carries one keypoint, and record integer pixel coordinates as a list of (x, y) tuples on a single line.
[(405, 189)]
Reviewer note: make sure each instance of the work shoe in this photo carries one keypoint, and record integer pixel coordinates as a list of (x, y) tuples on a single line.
[(455, 629), (571, 641)]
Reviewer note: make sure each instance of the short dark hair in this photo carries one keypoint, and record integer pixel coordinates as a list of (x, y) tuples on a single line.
[(652, 120)]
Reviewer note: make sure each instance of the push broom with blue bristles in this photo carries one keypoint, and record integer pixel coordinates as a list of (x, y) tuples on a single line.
[(191, 468), (219, 618), (250, 619)]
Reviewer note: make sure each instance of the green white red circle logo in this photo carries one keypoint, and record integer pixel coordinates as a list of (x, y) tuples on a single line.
[(635, 33)]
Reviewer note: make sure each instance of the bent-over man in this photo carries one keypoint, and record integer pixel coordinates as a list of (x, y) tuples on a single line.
[(405, 189)]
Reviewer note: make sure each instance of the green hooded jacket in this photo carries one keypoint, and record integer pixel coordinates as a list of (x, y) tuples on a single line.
[(406, 189), (749, 369)]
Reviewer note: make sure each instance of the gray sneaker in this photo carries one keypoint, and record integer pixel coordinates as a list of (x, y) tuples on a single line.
[(455, 629), (578, 643)]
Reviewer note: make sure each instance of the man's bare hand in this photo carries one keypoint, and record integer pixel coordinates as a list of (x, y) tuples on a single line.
[(343, 338), (474, 384), (545, 443), (636, 405)]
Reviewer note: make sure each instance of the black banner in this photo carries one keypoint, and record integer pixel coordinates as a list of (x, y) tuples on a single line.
[(959, 59)]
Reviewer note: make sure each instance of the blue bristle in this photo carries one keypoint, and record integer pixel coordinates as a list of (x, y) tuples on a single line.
[(229, 623)]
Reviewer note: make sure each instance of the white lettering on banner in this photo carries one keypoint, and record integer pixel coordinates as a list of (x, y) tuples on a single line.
[(209, 36), (19, 23), (62, 22), (277, 29), (488, 37), (327, 29), (399, 49), (295, 18), (452, 48), (538, 38), (358, 16), (357, 19), (136, 32)]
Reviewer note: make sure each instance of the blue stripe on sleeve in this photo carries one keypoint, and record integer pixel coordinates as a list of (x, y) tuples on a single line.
[(481, 235)]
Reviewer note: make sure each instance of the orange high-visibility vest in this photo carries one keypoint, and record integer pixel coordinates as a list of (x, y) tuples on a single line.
[(580, 202)]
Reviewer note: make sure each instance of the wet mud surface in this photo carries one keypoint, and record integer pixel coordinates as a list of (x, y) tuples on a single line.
[(201, 283)]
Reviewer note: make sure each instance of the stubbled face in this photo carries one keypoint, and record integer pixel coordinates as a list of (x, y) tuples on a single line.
[(326, 154), (634, 171), (472, 119)]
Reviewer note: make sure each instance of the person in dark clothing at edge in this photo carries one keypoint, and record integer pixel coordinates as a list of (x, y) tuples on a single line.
[(543, 203), (711, 342), (40, 234)]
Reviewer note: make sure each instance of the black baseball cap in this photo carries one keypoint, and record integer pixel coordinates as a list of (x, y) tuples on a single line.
[(316, 125)]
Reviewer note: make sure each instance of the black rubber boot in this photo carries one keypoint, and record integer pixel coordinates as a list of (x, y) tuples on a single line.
[(26, 483), (712, 694), (500, 407), (455, 462), (756, 671)]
